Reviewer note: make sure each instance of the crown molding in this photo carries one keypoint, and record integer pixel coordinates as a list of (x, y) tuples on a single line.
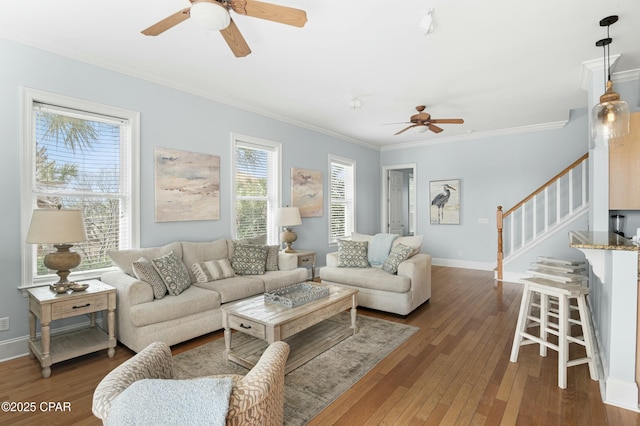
[(480, 135), (588, 68)]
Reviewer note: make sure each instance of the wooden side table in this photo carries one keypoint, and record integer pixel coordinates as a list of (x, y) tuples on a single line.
[(306, 258), (48, 306)]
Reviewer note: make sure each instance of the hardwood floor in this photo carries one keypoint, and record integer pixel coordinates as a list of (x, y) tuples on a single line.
[(454, 371)]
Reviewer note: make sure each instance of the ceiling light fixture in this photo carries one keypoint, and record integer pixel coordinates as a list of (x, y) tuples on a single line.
[(210, 14), (355, 104), (426, 23), (610, 118), (420, 128)]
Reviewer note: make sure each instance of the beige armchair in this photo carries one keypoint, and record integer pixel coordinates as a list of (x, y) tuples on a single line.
[(256, 399)]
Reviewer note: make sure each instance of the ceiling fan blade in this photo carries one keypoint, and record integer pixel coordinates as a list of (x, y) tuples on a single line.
[(167, 23), (270, 12), (433, 128), (234, 39), (448, 121), (405, 129)]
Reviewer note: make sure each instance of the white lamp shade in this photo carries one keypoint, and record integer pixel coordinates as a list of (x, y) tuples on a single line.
[(288, 216), (421, 128), (210, 14), (56, 226)]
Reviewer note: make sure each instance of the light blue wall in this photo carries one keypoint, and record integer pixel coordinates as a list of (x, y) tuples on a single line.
[(500, 170), (169, 118)]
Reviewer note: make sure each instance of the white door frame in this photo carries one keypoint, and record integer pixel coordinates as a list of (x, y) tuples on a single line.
[(385, 194)]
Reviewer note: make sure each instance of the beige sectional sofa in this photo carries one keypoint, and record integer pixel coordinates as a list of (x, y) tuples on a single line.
[(143, 317), (399, 293)]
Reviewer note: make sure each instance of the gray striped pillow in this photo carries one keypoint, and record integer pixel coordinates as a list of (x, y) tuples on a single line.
[(212, 270)]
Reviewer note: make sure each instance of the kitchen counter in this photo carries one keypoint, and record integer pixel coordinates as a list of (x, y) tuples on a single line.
[(600, 241)]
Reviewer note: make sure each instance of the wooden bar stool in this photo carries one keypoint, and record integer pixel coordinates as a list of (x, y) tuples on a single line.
[(551, 300)]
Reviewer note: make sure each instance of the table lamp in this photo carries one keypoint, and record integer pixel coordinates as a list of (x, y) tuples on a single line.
[(59, 227), (288, 217)]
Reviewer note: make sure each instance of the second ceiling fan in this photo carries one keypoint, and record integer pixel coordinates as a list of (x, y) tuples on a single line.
[(423, 120), (226, 26)]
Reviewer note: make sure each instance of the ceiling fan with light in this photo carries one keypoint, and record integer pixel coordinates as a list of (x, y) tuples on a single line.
[(421, 122), (214, 15)]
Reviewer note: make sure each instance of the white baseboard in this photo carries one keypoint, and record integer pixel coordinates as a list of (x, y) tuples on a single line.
[(465, 264), (19, 346)]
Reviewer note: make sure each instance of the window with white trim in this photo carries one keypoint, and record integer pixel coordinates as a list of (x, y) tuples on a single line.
[(79, 155), (256, 187), (342, 174)]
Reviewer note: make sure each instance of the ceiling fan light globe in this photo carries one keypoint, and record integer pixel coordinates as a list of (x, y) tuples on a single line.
[(420, 128), (212, 16)]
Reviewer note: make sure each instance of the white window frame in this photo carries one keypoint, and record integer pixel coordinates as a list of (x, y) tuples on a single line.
[(129, 159), (274, 195), (350, 225)]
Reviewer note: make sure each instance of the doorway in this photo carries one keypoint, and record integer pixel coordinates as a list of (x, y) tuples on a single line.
[(399, 199)]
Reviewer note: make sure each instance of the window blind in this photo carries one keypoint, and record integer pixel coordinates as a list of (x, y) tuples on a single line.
[(341, 205)]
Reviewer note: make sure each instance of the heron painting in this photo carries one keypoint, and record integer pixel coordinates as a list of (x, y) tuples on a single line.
[(445, 202)]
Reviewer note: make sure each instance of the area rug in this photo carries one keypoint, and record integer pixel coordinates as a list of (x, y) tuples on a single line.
[(316, 384)]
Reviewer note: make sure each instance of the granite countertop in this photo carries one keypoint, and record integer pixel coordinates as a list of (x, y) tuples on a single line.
[(600, 240)]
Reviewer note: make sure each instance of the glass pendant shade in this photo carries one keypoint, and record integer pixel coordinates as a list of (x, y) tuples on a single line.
[(211, 15), (421, 128), (610, 118)]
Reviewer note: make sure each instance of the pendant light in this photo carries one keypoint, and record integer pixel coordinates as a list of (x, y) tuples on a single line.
[(610, 118)]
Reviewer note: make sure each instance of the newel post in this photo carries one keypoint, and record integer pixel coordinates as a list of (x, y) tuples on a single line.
[(499, 218)]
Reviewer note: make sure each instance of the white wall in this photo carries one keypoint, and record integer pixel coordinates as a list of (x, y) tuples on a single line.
[(169, 118), (493, 171)]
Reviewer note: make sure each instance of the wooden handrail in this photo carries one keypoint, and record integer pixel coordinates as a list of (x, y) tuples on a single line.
[(547, 183), (500, 215)]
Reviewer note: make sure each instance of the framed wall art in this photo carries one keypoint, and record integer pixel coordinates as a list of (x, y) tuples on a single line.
[(306, 192), (187, 186), (444, 199)]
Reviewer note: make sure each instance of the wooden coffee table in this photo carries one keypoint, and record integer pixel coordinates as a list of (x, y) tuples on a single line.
[(305, 328)]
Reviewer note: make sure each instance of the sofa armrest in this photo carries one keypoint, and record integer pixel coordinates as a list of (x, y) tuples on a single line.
[(418, 269), (287, 261), (332, 259), (131, 291), (153, 362)]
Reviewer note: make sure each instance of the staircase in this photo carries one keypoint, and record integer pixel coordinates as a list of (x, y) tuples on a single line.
[(542, 214)]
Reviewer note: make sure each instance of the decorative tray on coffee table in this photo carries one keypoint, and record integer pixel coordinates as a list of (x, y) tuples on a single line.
[(297, 294)]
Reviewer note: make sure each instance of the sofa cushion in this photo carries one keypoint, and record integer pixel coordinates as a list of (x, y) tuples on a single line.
[(196, 252), (144, 270), (371, 278), (413, 241), (173, 273), (213, 270), (399, 253), (249, 259), (202, 401), (352, 254), (277, 279), (235, 288), (191, 301), (124, 258), (361, 237)]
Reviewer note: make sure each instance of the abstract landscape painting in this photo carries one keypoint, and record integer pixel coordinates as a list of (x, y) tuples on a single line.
[(306, 192), (187, 186)]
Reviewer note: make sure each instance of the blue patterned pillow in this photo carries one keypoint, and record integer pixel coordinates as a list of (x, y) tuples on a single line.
[(249, 259), (353, 254), (398, 254), (173, 273)]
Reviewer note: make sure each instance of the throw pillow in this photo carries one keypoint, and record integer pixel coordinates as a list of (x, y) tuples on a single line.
[(272, 258), (212, 270), (173, 273), (398, 254), (352, 254), (249, 259), (143, 268), (258, 240), (413, 241), (202, 401)]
